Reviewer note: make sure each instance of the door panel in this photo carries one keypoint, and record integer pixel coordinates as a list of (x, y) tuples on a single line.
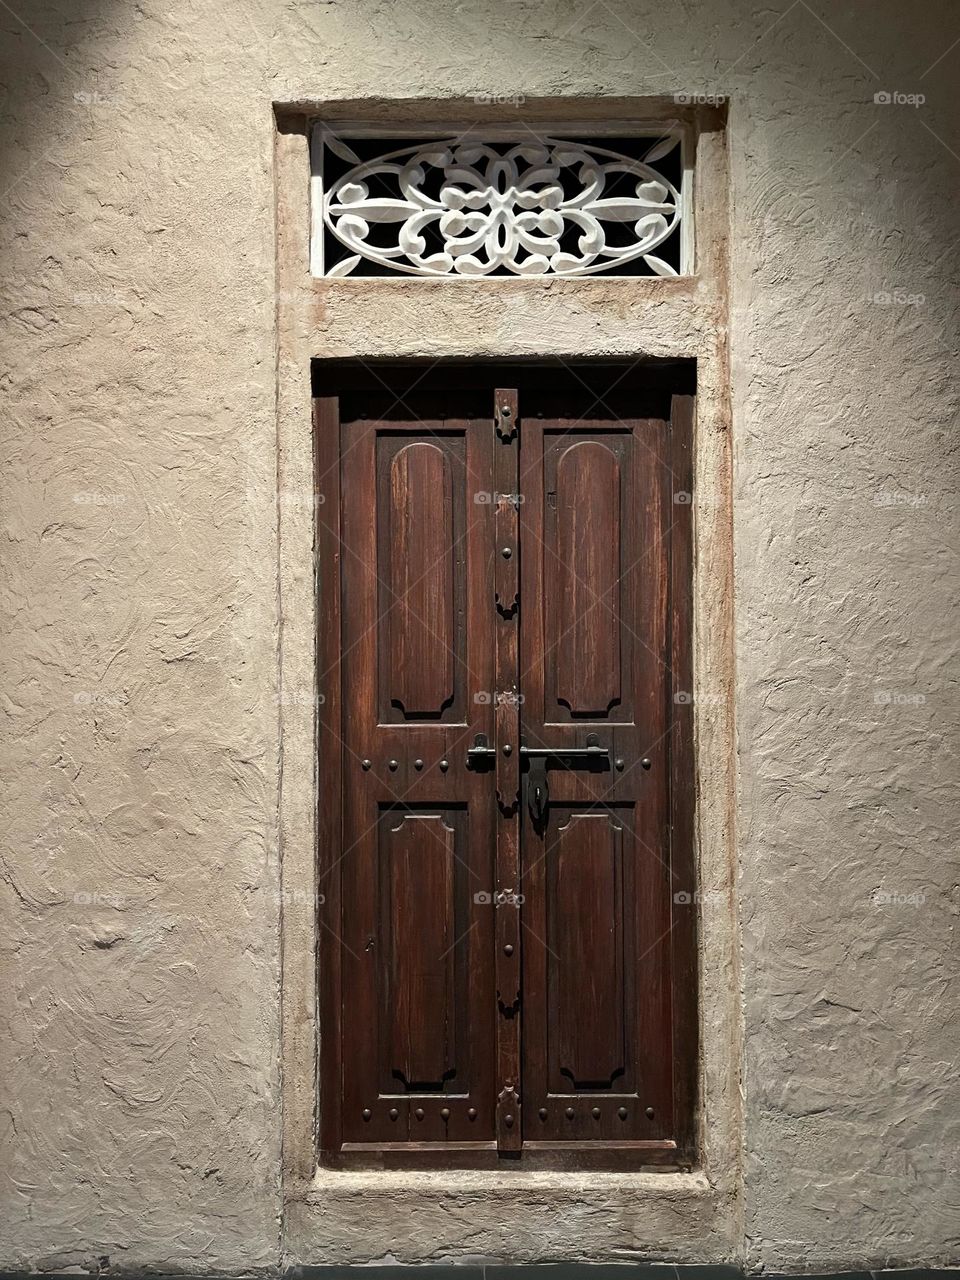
[(504, 570), (421, 512), (422, 910), (596, 870), (414, 927), (582, 571), (587, 1010)]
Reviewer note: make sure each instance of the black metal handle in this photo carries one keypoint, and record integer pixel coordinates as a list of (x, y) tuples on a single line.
[(481, 750), (592, 752)]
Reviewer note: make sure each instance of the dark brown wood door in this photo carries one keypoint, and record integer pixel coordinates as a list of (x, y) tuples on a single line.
[(507, 939)]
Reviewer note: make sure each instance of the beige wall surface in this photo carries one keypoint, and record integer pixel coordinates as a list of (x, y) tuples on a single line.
[(140, 890)]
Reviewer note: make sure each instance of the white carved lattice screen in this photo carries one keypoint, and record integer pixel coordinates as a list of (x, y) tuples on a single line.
[(495, 203)]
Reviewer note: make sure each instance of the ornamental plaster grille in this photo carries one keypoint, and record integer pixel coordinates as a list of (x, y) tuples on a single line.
[(472, 206)]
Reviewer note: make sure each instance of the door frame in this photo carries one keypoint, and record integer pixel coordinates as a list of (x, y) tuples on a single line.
[(334, 1216), (673, 384)]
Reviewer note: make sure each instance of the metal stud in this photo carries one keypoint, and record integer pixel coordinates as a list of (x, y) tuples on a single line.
[(620, 762), (569, 1113), (649, 1113), (542, 1113), (508, 1121), (646, 763), (596, 1113), (508, 949), (507, 749), (471, 1113), (418, 764), (622, 1112), (506, 552), (444, 766), (419, 1113), (394, 1113), (394, 765), (367, 1113), (505, 410), (365, 764), (444, 1113)]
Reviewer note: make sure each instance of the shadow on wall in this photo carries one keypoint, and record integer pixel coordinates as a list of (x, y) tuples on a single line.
[(60, 65)]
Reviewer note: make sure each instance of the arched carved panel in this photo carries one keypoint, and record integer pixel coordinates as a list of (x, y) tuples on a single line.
[(418, 960), (418, 570), (585, 950), (587, 549)]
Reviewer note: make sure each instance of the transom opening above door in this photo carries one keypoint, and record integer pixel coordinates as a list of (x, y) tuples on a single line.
[(482, 201), (507, 919)]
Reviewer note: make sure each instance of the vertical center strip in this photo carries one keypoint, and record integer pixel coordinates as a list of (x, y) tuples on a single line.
[(507, 743)]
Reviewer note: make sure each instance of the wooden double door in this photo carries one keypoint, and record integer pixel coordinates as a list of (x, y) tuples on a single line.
[(506, 898)]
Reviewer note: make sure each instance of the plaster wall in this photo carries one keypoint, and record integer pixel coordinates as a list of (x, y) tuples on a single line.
[(147, 588)]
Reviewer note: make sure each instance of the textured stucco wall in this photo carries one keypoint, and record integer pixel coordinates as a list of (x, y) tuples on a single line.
[(139, 884)]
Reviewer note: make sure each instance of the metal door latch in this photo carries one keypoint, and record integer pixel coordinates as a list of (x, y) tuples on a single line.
[(538, 791)]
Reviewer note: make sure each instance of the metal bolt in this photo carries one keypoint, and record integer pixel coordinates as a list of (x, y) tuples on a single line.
[(419, 1113), (505, 410), (394, 765), (365, 764), (542, 1113), (596, 1113), (418, 764), (394, 1113), (506, 552), (569, 1113), (649, 1113), (507, 749), (646, 762), (367, 1113), (444, 1113), (622, 1112), (444, 766), (508, 949), (619, 762), (471, 1113)]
